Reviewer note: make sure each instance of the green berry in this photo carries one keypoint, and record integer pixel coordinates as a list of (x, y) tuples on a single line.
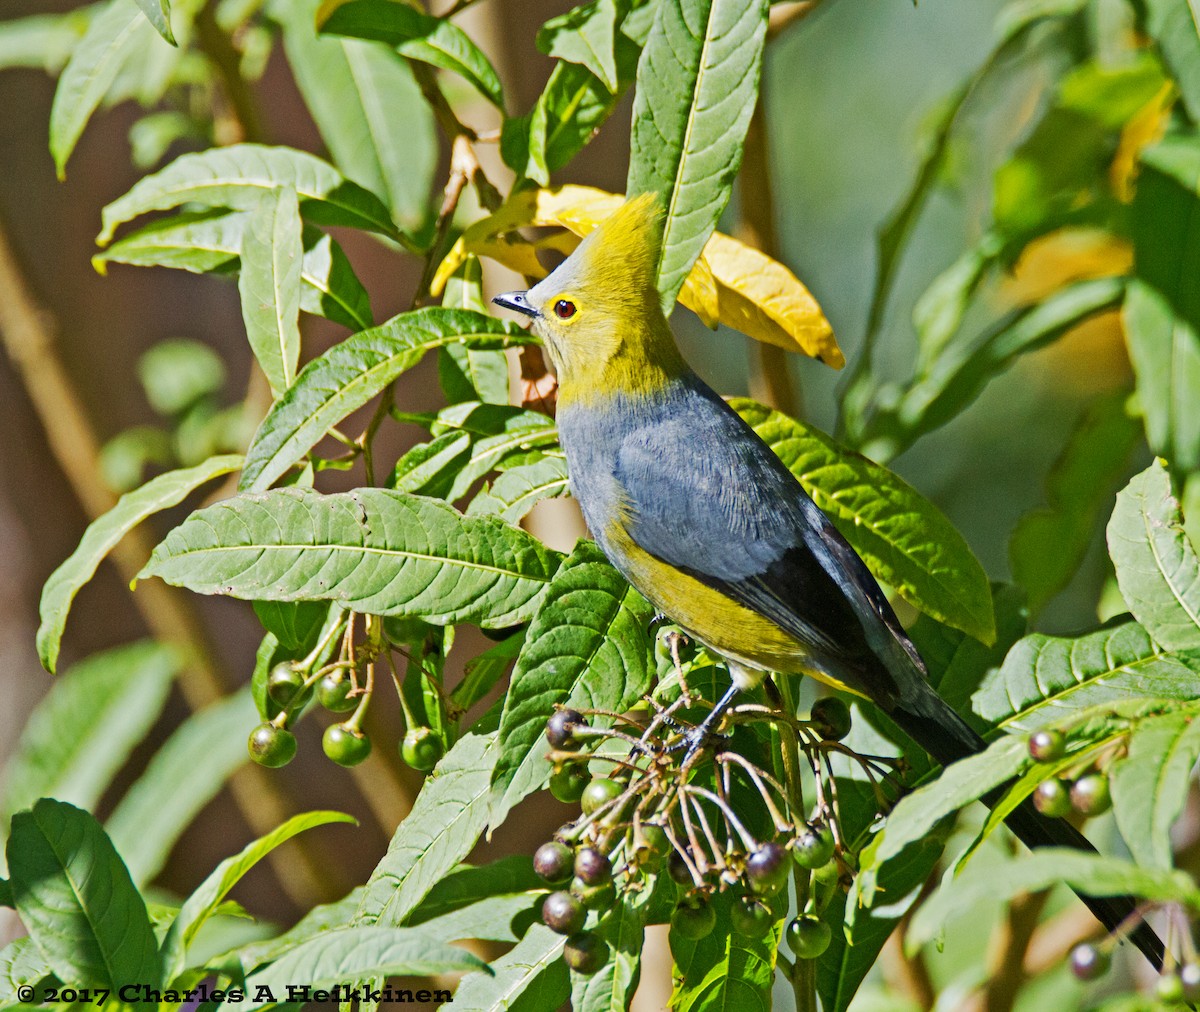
[(567, 783), (599, 793), (1189, 975), (585, 953), (284, 683), (272, 746), (1090, 794), (694, 917), (345, 745), (333, 693), (808, 936), (563, 913), (1047, 746), (650, 845), (814, 847), (421, 748), (767, 869), (751, 917), (1169, 988), (1089, 962), (595, 897), (553, 862), (1052, 798), (832, 718)]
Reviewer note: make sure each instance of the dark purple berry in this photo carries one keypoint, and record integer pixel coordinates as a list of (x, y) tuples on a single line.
[(593, 867), (767, 868), (678, 869), (560, 729), (563, 913), (553, 862)]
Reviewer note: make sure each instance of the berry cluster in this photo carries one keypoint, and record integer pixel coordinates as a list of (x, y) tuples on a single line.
[(702, 814), (1087, 795), (344, 684)]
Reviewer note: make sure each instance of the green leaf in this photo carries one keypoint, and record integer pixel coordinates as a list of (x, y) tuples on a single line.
[(430, 468), (484, 670), (158, 13), (21, 963), (443, 827), (530, 978), (86, 727), (1165, 351), (585, 35), (723, 970), (499, 433), (418, 36), (859, 932), (76, 899), (1173, 25), (1157, 568), (905, 540), (372, 550), (1045, 677), (588, 646), (116, 35), (940, 309), (209, 242), (697, 83), (371, 114), (347, 954), (43, 41), (237, 176), (464, 373), (463, 887), (269, 285), (325, 917), (957, 662), (185, 775), (574, 105), (517, 489), (1091, 874), (348, 375), (1049, 542), (611, 989), (1150, 784), (201, 904), (504, 917), (103, 534)]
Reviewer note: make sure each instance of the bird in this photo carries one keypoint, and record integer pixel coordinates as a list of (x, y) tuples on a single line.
[(709, 525)]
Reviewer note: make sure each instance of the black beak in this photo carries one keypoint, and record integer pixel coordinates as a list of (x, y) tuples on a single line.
[(517, 302)]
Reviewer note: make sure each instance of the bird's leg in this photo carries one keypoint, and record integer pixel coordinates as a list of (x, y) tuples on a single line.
[(695, 739)]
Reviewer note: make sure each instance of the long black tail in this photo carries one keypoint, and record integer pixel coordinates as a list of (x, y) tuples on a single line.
[(931, 723)]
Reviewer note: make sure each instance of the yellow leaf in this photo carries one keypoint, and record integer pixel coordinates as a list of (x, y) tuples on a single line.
[(731, 283)]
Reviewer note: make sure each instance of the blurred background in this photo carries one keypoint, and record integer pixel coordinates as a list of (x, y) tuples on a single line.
[(849, 92)]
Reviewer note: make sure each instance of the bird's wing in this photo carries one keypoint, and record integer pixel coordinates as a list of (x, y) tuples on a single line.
[(728, 513)]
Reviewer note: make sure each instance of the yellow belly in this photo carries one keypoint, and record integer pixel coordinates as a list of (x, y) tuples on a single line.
[(720, 623)]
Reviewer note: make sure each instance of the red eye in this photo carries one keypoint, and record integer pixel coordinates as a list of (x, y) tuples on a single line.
[(563, 309)]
